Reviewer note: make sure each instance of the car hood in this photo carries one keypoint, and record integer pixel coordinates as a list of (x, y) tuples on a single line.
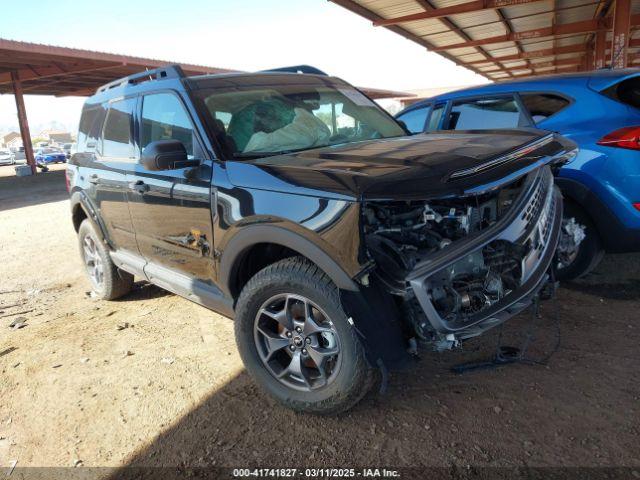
[(419, 166)]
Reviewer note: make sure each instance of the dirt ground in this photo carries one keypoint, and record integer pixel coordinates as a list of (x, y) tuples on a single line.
[(156, 380)]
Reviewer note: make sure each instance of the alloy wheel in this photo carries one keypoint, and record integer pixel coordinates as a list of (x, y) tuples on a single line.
[(297, 342), (93, 261)]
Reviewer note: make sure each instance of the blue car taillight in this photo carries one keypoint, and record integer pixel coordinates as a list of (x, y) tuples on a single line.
[(627, 137)]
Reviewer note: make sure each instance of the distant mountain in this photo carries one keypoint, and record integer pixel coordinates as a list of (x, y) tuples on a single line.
[(53, 125)]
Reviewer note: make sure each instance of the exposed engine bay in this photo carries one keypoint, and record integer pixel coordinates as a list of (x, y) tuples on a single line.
[(401, 235)]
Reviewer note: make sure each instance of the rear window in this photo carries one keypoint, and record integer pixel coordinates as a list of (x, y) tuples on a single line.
[(542, 105), (627, 92), (486, 114)]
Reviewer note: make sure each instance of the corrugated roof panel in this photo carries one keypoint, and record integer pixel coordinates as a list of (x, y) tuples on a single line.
[(571, 40), (511, 49), (566, 56), (392, 8), (531, 23), (537, 45), (496, 46), (446, 3), (486, 31), (425, 27), (476, 57), (527, 9), (473, 19), (464, 51), (444, 39), (579, 14)]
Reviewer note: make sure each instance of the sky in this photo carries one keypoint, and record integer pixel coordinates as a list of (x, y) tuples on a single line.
[(240, 34)]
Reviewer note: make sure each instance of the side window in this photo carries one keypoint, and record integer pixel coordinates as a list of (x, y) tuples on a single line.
[(116, 134), (542, 105), (486, 114), (627, 92), (414, 119), (90, 128), (435, 117), (164, 117)]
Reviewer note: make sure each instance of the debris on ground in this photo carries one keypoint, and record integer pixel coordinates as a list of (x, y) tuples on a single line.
[(168, 360), (18, 323), (121, 326)]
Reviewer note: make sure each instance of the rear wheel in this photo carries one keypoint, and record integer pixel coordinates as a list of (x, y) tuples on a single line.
[(295, 340), (107, 280), (576, 263)]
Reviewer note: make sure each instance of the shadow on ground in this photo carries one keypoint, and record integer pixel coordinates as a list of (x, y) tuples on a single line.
[(574, 411), (18, 192), (617, 277)]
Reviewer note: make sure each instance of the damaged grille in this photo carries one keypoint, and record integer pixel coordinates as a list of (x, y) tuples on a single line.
[(415, 245), (534, 206)]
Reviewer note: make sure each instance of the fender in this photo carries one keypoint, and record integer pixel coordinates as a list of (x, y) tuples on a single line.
[(614, 235), (79, 199), (252, 235)]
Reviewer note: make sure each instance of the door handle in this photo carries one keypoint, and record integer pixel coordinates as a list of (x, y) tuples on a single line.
[(94, 179), (139, 187)]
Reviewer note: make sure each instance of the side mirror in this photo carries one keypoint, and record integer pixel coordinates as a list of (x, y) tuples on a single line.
[(166, 155)]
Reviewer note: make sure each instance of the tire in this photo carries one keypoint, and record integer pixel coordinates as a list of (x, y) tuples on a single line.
[(590, 251), (112, 283), (299, 281)]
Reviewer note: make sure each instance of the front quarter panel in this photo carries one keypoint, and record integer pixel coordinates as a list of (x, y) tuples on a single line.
[(326, 230)]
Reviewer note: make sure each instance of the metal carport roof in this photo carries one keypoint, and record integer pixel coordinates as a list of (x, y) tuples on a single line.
[(502, 39), (37, 69)]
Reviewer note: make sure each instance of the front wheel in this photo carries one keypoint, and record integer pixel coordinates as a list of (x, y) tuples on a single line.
[(295, 340), (580, 249)]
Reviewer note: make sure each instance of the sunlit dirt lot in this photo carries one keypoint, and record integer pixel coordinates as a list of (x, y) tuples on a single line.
[(153, 379)]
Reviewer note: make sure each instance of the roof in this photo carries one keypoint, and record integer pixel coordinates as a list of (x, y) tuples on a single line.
[(51, 70), (501, 39), (596, 80), (10, 136), (60, 137)]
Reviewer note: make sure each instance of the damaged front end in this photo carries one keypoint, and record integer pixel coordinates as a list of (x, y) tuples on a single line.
[(459, 266)]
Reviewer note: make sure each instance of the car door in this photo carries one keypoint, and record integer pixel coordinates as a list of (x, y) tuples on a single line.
[(110, 151), (171, 209)]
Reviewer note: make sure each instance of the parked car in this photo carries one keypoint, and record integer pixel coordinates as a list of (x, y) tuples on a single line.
[(48, 155), (295, 204), (66, 148), (7, 157), (600, 111)]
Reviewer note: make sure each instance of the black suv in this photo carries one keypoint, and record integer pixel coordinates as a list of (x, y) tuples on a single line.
[(294, 204)]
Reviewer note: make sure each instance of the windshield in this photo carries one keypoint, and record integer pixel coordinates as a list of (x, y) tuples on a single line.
[(260, 121)]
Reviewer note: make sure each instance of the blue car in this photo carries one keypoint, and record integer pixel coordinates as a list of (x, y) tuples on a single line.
[(45, 156), (598, 110)]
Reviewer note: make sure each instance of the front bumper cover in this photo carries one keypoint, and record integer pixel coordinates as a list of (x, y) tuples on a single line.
[(534, 221)]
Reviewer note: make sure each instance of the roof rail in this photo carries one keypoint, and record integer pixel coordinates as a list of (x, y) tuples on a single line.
[(170, 71), (298, 69)]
